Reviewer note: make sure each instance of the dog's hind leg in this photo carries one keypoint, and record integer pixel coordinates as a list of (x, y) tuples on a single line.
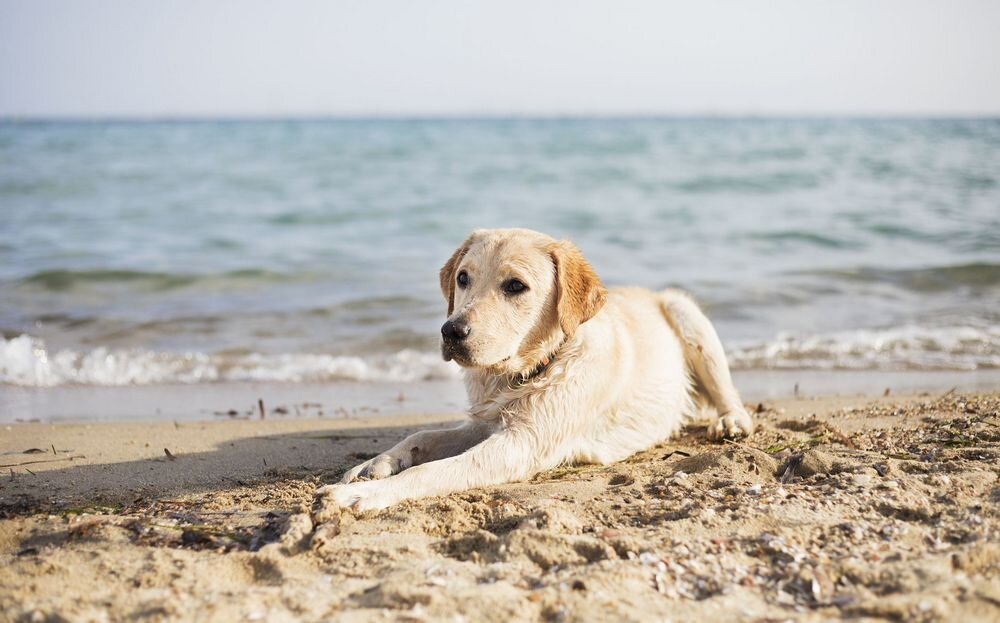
[(706, 362)]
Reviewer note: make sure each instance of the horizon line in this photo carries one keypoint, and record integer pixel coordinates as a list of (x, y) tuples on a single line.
[(509, 116)]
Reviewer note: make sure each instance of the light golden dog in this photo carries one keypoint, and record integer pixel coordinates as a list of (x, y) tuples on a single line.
[(558, 370)]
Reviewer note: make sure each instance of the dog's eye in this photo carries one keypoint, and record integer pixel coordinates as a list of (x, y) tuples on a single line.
[(462, 279), (514, 287)]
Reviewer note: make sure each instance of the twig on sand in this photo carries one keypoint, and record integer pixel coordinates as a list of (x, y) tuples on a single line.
[(260, 404), (169, 455), (69, 458), (737, 443)]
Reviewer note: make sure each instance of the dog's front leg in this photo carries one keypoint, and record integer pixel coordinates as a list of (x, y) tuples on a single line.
[(508, 455), (422, 447)]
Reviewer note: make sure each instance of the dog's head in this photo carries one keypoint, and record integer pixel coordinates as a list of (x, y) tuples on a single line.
[(513, 296)]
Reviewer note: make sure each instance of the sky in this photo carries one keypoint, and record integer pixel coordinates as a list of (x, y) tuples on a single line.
[(206, 58)]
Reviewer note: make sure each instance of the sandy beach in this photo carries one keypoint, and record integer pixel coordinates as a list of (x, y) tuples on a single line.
[(881, 508)]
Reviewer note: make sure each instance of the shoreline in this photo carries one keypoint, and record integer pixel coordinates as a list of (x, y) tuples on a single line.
[(858, 507), (350, 399)]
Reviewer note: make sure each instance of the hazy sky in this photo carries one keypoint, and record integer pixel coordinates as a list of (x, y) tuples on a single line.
[(435, 57)]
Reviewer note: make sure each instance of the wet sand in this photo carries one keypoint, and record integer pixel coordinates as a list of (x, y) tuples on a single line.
[(864, 508)]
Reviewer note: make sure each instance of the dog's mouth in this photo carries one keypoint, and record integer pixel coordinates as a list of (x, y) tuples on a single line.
[(451, 351), (460, 355)]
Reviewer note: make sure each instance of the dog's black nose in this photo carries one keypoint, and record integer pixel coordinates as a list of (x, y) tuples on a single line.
[(455, 330)]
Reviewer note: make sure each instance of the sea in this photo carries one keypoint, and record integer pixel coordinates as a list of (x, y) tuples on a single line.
[(140, 253)]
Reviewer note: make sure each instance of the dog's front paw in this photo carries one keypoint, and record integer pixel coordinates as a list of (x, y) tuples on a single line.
[(360, 496), (734, 424), (382, 466)]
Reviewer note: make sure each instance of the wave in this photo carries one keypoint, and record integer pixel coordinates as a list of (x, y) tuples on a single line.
[(25, 361), (61, 280), (750, 184), (803, 237), (933, 279), (910, 347)]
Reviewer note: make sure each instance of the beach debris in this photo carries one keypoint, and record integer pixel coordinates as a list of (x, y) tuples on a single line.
[(170, 456), (675, 453), (34, 451), (260, 405), (621, 480), (885, 393), (68, 458)]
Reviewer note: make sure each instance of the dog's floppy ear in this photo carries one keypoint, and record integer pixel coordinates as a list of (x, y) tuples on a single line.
[(581, 293), (447, 273)]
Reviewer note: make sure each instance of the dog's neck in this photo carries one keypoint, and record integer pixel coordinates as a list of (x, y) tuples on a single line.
[(534, 361), (489, 391), (540, 367)]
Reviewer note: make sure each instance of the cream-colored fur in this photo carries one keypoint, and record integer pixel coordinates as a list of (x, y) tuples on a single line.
[(561, 372)]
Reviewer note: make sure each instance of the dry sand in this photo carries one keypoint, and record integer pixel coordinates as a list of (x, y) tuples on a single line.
[(836, 508)]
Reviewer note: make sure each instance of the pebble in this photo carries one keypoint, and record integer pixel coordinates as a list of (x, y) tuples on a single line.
[(862, 480)]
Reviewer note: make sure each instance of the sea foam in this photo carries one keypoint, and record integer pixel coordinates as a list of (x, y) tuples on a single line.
[(910, 347), (26, 361)]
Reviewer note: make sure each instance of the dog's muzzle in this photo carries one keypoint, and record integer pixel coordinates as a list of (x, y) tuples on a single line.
[(453, 334)]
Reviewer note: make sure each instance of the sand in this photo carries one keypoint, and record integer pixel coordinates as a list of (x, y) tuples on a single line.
[(866, 509)]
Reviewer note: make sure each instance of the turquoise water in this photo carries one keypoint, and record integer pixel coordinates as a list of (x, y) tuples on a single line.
[(309, 250)]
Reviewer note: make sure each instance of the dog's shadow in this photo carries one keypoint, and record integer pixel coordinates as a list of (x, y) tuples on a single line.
[(318, 456)]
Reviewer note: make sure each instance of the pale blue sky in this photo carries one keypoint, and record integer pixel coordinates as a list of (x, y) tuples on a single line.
[(440, 57)]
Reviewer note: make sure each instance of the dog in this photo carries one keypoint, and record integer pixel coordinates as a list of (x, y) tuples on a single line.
[(558, 370)]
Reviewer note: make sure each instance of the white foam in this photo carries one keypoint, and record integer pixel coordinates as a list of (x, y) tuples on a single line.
[(25, 361), (910, 347)]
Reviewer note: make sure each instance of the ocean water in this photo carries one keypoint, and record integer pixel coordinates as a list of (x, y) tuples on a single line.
[(303, 251)]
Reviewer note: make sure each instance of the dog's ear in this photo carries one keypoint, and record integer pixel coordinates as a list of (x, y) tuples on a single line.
[(581, 293), (447, 274)]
